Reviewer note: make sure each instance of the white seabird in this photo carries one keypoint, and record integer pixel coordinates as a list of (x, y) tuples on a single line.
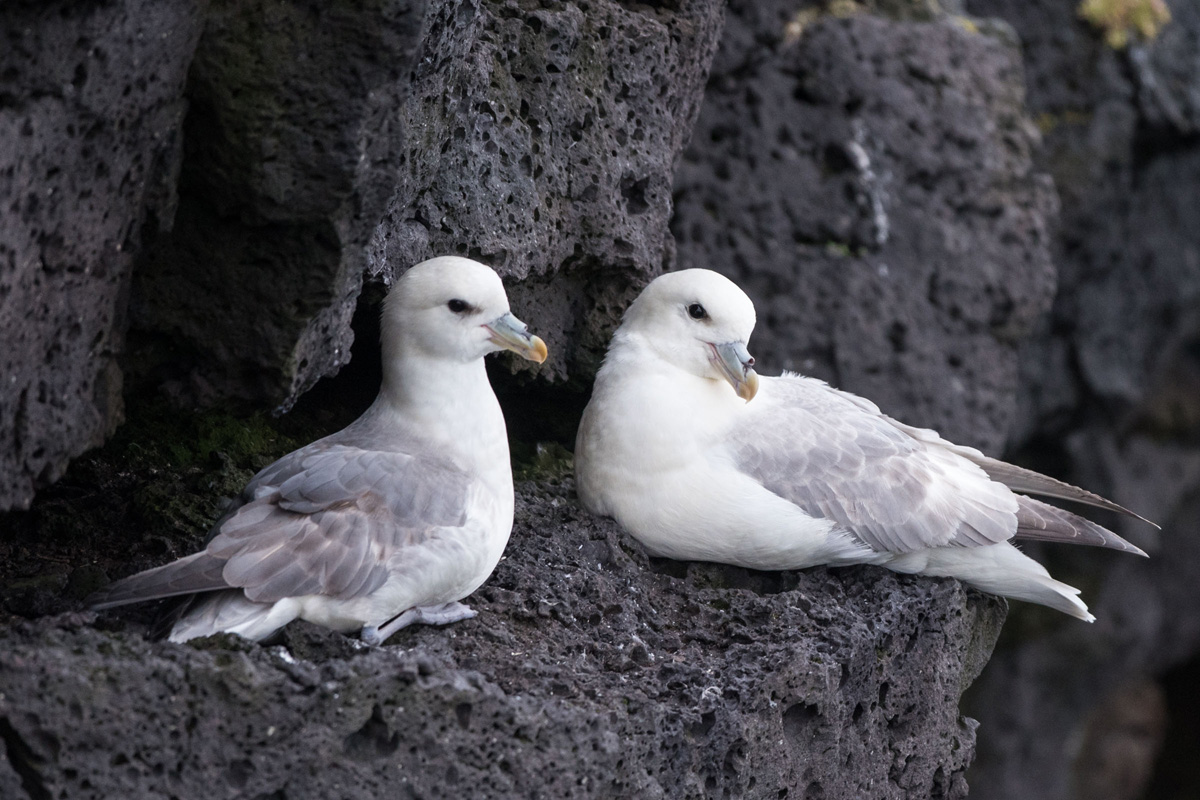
[(393, 519), (672, 447)]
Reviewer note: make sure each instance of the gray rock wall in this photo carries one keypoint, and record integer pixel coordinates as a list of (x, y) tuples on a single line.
[(1110, 399), (327, 142), (293, 146), (543, 139), (870, 184), (590, 672), (323, 142), (870, 180), (90, 114)]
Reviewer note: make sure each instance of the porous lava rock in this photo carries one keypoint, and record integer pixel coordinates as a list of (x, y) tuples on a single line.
[(1110, 399), (869, 183), (590, 671), (542, 140), (292, 149), (90, 115)]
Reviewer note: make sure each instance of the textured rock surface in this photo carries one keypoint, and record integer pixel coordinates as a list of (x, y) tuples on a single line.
[(322, 141), (870, 184), (90, 114), (1110, 399), (329, 141), (293, 146), (542, 141), (589, 672)]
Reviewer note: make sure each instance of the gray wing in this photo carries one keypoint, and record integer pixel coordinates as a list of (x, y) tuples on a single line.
[(323, 520), (1043, 522), (1017, 478), (837, 457), (330, 527), (195, 573)]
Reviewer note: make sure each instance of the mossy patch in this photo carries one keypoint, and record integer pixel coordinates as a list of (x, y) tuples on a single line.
[(1126, 21), (541, 461), (1048, 122), (151, 494), (158, 435)]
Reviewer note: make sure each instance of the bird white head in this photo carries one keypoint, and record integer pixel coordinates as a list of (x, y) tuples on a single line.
[(699, 321), (453, 309)]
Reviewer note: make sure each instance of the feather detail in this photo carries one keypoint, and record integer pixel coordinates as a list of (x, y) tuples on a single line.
[(1027, 481), (196, 573), (1043, 522)]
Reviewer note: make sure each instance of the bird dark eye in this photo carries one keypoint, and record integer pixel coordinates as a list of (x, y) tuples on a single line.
[(458, 306), (696, 311)]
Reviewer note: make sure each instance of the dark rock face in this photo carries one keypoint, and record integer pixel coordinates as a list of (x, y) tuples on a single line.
[(324, 142), (869, 183), (588, 673), (293, 146), (541, 140), (1110, 397), (90, 115)]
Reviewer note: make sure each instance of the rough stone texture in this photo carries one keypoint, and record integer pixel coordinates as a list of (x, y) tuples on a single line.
[(590, 671), (90, 112), (869, 183), (543, 138), (540, 140), (293, 145), (881, 167), (1110, 399)]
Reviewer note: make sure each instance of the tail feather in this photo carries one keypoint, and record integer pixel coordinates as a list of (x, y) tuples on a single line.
[(231, 611), (171, 612), (1043, 522), (195, 573), (998, 569)]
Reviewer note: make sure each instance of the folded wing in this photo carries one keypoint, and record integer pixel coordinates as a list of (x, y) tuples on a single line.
[(1017, 478), (324, 520), (895, 487), (836, 457)]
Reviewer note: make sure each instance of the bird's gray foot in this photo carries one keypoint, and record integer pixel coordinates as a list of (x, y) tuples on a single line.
[(430, 615), (443, 614), (370, 635)]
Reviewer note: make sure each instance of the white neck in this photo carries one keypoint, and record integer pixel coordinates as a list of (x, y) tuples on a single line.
[(451, 405), (658, 402)]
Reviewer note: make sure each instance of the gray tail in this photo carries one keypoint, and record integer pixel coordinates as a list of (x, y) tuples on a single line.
[(1043, 522), (195, 573)]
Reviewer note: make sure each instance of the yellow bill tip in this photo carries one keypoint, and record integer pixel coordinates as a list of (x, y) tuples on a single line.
[(536, 351), (749, 387)]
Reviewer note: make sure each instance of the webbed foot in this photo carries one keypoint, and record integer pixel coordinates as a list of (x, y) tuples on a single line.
[(430, 615)]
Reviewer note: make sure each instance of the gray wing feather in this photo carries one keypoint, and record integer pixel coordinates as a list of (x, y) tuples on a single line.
[(1043, 522), (836, 456), (322, 553), (416, 491), (321, 520), (1017, 478), (333, 525), (348, 575), (1020, 479), (195, 573)]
